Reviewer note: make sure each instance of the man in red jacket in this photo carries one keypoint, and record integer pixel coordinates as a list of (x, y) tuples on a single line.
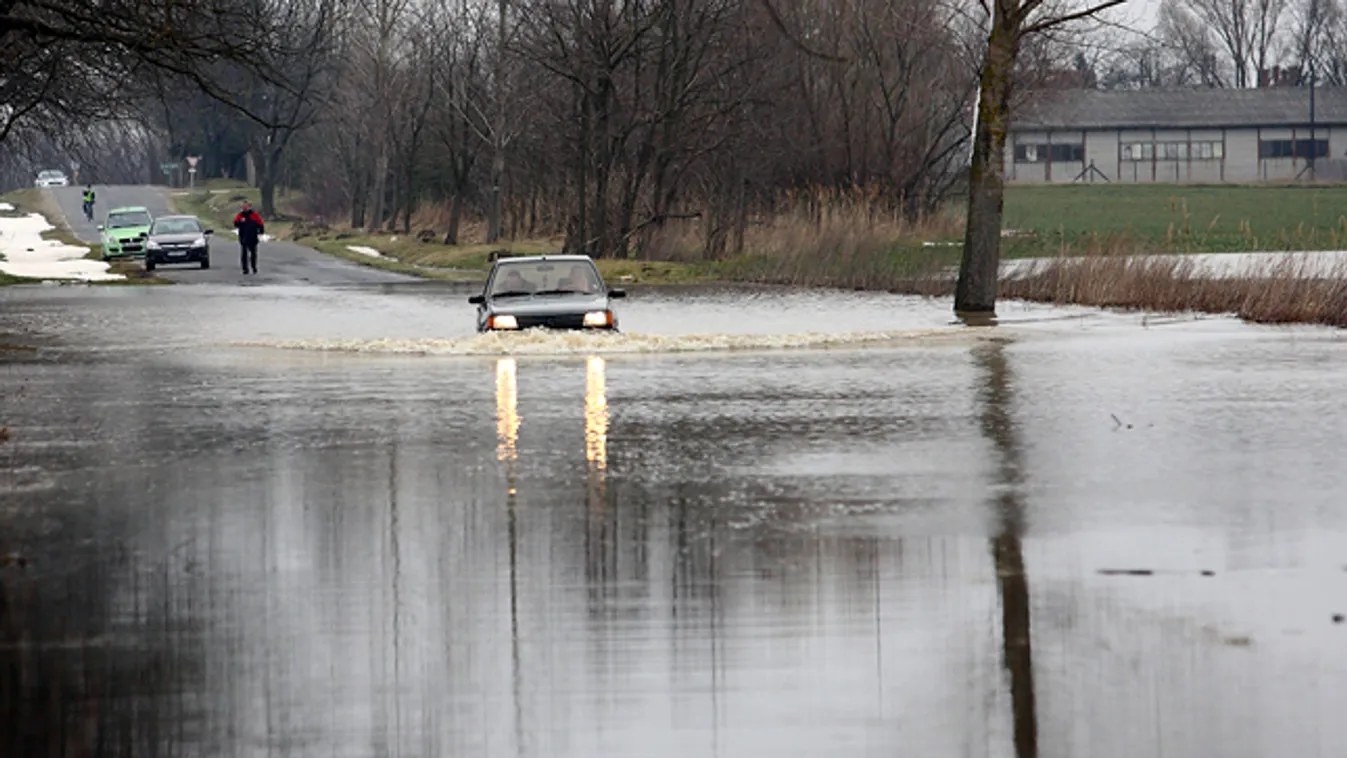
[(250, 229)]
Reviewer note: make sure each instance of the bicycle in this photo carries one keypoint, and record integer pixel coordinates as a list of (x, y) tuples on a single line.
[(89, 212)]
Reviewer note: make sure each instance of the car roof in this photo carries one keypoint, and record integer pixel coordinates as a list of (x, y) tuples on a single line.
[(130, 209), (178, 217), (549, 258)]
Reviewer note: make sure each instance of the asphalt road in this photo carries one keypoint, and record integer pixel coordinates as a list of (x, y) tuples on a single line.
[(277, 262)]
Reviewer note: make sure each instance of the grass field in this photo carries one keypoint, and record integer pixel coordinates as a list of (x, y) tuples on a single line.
[(1173, 218)]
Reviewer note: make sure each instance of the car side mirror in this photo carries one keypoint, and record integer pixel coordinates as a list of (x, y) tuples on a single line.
[(617, 293), (100, 227), (477, 299), (208, 232)]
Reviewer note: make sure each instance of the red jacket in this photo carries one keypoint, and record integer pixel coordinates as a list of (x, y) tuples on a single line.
[(249, 225)]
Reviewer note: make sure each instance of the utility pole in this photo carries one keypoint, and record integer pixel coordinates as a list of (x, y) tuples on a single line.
[(1314, 143)]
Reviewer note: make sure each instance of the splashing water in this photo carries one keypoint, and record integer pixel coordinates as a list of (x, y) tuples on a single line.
[(543, 342)]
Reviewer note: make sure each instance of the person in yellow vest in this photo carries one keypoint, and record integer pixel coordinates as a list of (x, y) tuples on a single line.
[(89, 202)]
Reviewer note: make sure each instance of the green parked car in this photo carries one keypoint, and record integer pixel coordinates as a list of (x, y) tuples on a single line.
[(124, 232)]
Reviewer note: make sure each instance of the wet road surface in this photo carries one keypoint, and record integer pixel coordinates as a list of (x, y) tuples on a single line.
[(278, 262), (1075, 534)]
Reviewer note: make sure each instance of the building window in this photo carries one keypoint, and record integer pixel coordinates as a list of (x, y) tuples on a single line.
[(1286, 148), (1027, 153), (1068, 153), (1172, 151)]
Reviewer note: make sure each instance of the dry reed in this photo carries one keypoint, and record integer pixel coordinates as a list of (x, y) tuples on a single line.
[(1288, 290)]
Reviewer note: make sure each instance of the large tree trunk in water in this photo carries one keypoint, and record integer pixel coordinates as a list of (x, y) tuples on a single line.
[(976, 289)]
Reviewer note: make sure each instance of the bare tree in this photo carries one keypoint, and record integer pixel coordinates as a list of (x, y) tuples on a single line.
[(1244, 31), (1318, 39), (1011, 23), (73, 58)]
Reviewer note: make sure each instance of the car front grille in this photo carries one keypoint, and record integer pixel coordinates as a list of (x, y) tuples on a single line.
[(133, 245), (566, 321)]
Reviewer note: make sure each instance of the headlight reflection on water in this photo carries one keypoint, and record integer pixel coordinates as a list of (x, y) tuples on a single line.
[(507, 410), (596, 413)]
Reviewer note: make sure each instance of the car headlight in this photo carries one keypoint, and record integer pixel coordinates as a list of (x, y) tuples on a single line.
[(151, 245), (503, 322), (200, 242), (599, 318)]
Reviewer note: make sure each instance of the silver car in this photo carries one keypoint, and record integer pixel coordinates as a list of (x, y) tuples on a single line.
[(547, 291), (177, 239), (51, 178)]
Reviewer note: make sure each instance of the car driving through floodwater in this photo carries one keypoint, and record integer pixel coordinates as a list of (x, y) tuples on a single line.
[(548, 291)]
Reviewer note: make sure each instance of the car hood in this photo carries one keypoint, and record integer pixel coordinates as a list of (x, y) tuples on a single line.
[(548, 305), (175, 238)]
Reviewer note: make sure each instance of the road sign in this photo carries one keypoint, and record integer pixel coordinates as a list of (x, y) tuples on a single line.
[(75, 166), (167, 168), (192, 159)]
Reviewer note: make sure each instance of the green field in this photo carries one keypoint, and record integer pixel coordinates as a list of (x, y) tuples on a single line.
[(1176, 218)]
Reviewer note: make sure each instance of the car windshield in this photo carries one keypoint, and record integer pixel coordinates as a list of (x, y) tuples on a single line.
[(176, 226), (49, 174), (124, 220), (545, 277)]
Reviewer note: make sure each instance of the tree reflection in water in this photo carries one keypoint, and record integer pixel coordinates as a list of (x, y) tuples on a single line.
[(72, 684), (1007, 545)]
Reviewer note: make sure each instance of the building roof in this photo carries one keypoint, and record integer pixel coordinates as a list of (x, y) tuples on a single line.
[(1179, 108)]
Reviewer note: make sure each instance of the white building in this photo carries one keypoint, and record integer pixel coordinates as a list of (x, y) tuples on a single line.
[(1188, 135)]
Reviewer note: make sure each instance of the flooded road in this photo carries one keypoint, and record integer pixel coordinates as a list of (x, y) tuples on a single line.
[(333, 522)]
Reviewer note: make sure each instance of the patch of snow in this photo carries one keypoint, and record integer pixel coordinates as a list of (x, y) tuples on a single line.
[(27, 254), (371, 252), (6, 207)]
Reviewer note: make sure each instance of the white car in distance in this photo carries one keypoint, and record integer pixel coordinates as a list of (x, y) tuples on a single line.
[(52, 179)]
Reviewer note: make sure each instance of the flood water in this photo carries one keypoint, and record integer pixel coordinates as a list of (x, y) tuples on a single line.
[(333, 522)]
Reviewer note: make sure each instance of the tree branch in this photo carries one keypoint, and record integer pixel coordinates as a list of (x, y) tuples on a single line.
[(799, 44), (1049, 23)]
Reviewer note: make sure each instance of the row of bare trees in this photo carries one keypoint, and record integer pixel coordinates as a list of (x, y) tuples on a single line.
[(1229, 43), (605, 120)]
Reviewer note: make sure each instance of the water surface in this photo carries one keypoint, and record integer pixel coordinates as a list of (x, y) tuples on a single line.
[(885, 548)]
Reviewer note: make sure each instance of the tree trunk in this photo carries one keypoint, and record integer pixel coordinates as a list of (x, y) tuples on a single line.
[(268, 190), (379, 191), (740, 215), (533, 210), (976, 288), (493, 210), (577, 225), (455, 217)]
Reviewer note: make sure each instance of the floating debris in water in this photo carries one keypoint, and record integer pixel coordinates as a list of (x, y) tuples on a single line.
[(1150, 572)]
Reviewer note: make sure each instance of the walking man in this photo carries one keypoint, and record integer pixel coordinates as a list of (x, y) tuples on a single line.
[(250, 228)]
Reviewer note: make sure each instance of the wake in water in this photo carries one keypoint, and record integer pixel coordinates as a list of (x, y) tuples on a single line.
[(542, 342)]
